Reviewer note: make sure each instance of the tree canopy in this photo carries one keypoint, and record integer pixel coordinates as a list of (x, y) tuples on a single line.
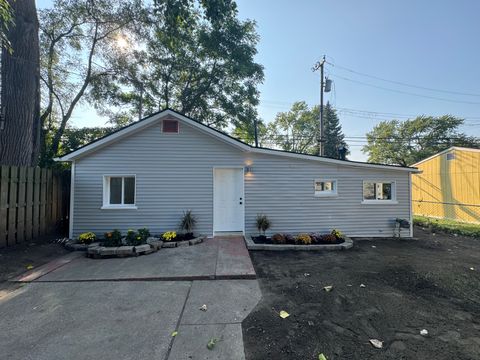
[(297, 130), (405, 143), (6, 20)]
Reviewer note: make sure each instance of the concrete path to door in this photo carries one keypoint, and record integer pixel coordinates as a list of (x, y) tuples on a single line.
[(73, 311)]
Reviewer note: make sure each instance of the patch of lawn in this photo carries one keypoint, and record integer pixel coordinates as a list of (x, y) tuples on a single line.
[(448, 226)]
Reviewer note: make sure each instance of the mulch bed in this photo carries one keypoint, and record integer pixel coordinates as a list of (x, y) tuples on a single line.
[(410, 285), (268, 240)]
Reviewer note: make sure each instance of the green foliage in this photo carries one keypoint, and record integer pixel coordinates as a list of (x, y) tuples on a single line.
[(405, 143), (297, 130), (131, 237), (194, 56), (87, 238), (333, 135), (263, 223), (144, 233), (448, 226), (6, 20), (188, 221), (278, 239), (113, 238)]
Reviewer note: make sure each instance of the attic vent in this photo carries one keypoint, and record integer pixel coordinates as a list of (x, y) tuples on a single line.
[(170, 126), (451, 156)]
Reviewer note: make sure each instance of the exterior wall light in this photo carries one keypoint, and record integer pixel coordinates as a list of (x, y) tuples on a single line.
[(248, 170)]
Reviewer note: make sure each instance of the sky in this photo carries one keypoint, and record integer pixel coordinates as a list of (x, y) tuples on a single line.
[(425, 44)]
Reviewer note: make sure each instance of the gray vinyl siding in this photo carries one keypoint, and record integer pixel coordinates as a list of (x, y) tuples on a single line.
[(174, 172)]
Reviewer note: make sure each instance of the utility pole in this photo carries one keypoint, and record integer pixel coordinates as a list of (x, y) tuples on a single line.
[(320, 139)]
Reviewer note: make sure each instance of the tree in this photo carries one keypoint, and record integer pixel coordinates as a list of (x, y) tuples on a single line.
[(194, 56), (20, 96), (405, 143), (297, 130), (73, 138), (333, 134), (78, 37)]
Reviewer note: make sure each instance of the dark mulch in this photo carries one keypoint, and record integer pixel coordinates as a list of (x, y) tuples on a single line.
[(410, 285), (14, 260), (267, 240)]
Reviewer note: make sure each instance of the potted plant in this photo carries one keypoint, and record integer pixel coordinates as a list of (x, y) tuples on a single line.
[(263, 224)]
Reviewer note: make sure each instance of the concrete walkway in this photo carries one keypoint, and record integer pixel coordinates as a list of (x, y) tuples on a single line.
[(218, 258), (74, 312)]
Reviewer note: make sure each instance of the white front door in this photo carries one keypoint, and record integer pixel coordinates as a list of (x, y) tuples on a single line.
[(228, 199)]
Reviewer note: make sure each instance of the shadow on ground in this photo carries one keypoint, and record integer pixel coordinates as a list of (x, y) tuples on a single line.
[(410, 285)]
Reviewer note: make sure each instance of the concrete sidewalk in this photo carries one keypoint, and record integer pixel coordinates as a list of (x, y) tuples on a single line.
[(127, 320), (218, 258), (80, 308)]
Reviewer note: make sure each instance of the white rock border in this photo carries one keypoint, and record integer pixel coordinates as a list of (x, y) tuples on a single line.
[(347, 244)]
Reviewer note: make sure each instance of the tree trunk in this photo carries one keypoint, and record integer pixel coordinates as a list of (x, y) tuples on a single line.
[(20, 89)]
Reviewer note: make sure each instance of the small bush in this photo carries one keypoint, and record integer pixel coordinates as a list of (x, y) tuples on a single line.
[(329, 238), (113, 238), (263, 223), (278, 239), (316, 237), (87, 238), (130, 238), (304, 239), (338, 234), (289, 239), (169, 236), (144, 233), (188, 222)]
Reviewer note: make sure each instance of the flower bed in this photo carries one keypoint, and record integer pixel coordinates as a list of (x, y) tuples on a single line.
[(302, 241)]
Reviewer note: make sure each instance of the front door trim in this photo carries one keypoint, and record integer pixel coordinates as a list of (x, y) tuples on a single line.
[(242, 191)]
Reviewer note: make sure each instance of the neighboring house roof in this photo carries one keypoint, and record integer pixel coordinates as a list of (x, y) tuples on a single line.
[(458, 148), (151, 119)]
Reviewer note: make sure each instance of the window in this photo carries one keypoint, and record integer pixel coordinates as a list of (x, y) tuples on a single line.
[(119, 191), (170, 126), (325, 187), (378, 191), (451, 156)]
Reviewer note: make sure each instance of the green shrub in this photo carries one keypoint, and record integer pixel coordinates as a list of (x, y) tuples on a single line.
[(278, 239), (304, 239), (113, 238), (87, 238), (130, 238), (263, 223), (144, 233), (188, 222)]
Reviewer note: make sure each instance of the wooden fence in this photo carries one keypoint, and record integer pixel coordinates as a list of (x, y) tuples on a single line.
[(34, 203)]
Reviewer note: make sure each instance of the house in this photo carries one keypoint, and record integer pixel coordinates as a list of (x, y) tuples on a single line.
[(148, 173), (449, 185)]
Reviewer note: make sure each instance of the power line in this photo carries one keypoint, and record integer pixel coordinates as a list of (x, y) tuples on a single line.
[(407, 93), (403, 83)]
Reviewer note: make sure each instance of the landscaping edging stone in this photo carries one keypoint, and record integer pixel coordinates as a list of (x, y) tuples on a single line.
[(153, 244), (347, 244)]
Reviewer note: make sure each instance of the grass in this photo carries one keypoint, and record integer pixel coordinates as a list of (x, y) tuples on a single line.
[(448, 226)]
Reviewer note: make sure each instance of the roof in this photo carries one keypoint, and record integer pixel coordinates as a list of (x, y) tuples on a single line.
[(458, 148), (153, 118)]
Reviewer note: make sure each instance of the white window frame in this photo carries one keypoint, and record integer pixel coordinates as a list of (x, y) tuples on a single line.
[(106, 192), (326, 193), (393, 200)]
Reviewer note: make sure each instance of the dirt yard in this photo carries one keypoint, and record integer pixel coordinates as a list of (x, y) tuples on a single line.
[(15, 260), (410, 285)]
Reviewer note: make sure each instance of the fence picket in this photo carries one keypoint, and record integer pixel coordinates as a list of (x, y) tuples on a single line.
[(21, 204), (4, 184), (12, 206)]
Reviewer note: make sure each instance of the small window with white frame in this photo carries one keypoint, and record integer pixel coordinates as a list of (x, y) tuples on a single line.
[(378, 191), (325, 187), (119, 191)]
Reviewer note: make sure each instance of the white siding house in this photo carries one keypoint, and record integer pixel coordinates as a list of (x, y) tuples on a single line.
[(148, 173)]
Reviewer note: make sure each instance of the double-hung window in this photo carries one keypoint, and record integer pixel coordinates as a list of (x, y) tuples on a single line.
[(119, 191), (325, 187), (379, 192)]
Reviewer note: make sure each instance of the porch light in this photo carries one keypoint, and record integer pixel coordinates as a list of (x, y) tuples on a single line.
[(248, 170)]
